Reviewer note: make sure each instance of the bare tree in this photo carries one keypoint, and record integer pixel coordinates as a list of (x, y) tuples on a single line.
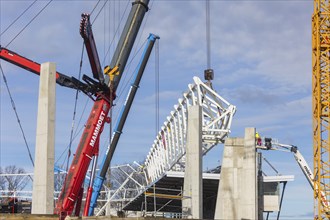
[(12, 183), (2, 181), (59, 179)]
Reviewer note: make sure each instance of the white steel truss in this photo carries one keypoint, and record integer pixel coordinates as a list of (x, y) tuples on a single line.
[(168, 150)]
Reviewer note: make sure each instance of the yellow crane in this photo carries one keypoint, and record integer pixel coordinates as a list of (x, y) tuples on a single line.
[(321, 104)]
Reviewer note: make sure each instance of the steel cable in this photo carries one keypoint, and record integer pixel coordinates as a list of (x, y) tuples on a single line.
[(29, 23), (16, 114), (208, 34), (19, 17), (157, 86), (75, 109)]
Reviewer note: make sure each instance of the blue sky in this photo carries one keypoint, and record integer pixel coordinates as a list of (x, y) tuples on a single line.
[(261, 55)]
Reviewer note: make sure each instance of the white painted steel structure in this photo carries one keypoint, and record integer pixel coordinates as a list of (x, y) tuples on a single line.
[(169, 147), (167, 152)]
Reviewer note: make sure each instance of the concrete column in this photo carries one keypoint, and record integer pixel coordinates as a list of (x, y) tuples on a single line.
[(108, 209), (229, 192), (250, 186), (43, 181), (192, 204), (237, 193)]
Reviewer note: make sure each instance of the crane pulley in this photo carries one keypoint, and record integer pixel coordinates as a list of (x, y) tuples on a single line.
[(87, 34)]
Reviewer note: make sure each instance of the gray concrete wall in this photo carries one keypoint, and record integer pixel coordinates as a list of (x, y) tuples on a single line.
[(229, 192), (43, 181), (237, 193), (192, 204)]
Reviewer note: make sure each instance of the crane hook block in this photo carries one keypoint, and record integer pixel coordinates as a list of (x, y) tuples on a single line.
[(111, 72), (208, 74)]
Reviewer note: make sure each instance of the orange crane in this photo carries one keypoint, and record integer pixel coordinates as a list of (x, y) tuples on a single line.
[(321, 104)]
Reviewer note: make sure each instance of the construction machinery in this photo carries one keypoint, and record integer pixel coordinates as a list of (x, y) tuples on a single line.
[(34, 67), (102, 89), (321, 104), (14, 205), (88, 147), (100, 177), (269, 144)]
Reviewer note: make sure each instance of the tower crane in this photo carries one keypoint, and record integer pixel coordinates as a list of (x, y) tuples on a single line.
[(321, 104)]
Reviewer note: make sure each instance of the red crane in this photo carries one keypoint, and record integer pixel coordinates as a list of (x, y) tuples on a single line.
[(102, 90), (88, 147)]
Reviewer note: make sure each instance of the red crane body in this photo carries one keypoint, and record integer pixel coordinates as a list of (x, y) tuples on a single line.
[(87, 148)]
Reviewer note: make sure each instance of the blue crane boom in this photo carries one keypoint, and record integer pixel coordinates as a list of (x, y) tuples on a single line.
[(100, 177)]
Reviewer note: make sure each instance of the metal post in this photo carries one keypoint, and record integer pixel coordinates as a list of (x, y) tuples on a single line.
[(155, 209), (260, 187), (279, 212), (145, 204)]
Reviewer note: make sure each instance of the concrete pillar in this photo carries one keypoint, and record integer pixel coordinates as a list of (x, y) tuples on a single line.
[(108, 209), (43, 181), (229, 192), (192, 204), (250, 186), (237, 193)]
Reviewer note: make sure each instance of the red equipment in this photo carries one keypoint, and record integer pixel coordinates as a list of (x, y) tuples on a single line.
[(87, 148), (103, 89), (34, 67), (107, 85)]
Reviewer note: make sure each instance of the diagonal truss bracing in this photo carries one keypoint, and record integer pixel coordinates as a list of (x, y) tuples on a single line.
[(168, 150)]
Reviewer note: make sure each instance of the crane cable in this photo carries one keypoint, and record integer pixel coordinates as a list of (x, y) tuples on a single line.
[(76, 100), (75, 109), (77, 92), (116, 32), (17, 117), (72, 135), (208, 34), (157, 86), (99, 10), (29, 23), (77, 131), (125, 82), (18, 17), (95, 6), (136, 51)]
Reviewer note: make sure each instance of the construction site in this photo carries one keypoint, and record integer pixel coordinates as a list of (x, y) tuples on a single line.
[(165, 109)]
